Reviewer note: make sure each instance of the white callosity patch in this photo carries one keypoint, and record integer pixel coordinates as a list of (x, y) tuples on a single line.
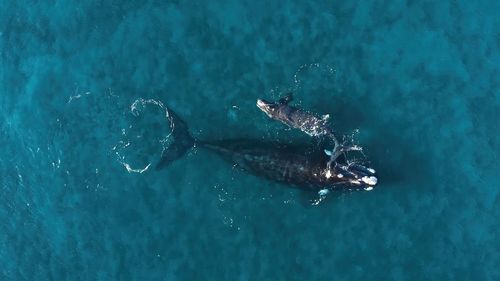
[(369, 180), (328, 174)]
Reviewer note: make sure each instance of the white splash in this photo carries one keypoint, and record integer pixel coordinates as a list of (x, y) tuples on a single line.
[(71, 98), (136, 109), (322, 195), (131, 170)]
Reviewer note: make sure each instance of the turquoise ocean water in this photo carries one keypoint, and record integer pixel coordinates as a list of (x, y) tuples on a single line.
[(83, 86)]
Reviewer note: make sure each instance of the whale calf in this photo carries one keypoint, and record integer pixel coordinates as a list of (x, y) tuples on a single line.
[(305, 121), (297, 118)]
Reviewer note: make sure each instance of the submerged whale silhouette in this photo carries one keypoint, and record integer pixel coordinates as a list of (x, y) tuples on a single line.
[(302, 166)]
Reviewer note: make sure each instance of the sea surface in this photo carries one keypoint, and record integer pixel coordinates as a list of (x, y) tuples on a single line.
[(84, 87)]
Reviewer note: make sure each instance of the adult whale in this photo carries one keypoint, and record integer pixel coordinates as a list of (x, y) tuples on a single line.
[(299, 166)]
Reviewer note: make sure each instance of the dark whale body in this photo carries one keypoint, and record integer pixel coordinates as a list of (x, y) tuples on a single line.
[(300, 166), (295, 165)]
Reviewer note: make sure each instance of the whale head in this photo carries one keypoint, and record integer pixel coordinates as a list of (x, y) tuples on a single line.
[(269, 108), (363, 176), (355, 175)]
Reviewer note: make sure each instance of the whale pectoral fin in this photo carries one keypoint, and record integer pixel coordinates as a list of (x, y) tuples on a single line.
[(317, 198), (286, 99), (307, 199), (321, 195)]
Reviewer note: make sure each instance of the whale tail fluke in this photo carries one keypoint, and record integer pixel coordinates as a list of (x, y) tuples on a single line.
[(183, 141)]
